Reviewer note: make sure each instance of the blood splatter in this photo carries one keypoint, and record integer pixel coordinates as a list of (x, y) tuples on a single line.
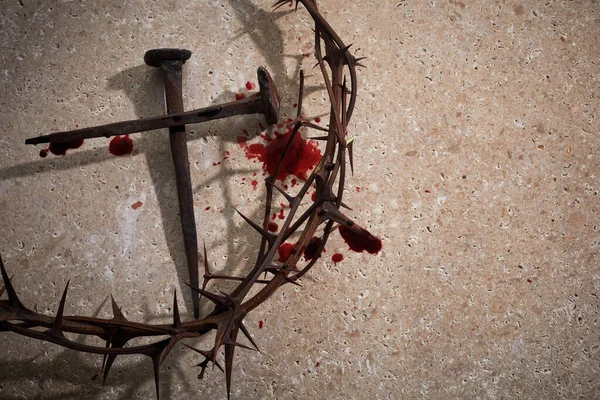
[(358, 189), (337, 257), (240, 96), (317, 120), (120, 145), (285, 251), (317, 364), (254, 184), (301, 157), (250, 85), (312, 248), (60, 149), (207, 208), (260, 324), (137, 205), (313, 196), (273, 227), (360, 241)]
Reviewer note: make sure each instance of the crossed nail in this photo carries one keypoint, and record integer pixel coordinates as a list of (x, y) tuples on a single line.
[(171, 61)]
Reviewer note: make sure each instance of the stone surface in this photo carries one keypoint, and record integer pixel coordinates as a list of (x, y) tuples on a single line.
[(477, 163)]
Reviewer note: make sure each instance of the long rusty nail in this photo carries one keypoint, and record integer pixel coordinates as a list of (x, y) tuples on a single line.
[(171, 61), (265, 102)]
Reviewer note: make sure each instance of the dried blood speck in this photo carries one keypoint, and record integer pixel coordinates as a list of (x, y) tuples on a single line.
[(317, 120), (273, 227), (360, 241), (207, 208), (120, 145), (250, 85), (254, 184), (240, 96), (337, 257), (260, 324), (137, 205), (317, 364)]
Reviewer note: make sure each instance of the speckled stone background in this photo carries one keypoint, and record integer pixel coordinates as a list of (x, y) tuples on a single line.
[(477, 159)]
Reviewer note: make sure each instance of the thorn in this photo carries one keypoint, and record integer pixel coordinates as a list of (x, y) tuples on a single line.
[(215, 298), (13, 299), (176, 318), (289, 198), (209, 356), (318, 138), (345, 206), (270, 238), (248, 336), (106, 368), (156, 366), (117, 314), (350, 146), (56, 329)]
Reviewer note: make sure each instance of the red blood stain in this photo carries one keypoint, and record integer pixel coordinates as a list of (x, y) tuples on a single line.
[(285, 251), (250, 85), (295, 105), (301, 157), (529, 280), (317, 120), (427, 191), (60, 149), (273, 227), (260, 324), (240, 96), (313, 196), (64, 214), (360, 242), (254, 184), (94, 377), (137, 205), (312, 248), (226, 157), (281, 214), (120, 145), (207, 208), (216, 163), (317, 364), (358, 189), (294, 182), (337, 257)]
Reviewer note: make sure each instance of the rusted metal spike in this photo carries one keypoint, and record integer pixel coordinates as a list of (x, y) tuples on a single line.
[(56, 329), (266, 102), (171, 61)]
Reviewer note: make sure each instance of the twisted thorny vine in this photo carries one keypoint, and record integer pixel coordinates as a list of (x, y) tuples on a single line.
[(227, 317)]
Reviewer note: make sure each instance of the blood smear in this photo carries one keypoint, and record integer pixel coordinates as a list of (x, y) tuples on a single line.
[(312, 248), (301, 157), (360, 242), (60, 149), (137, 205), (285, 251), (250, 85)]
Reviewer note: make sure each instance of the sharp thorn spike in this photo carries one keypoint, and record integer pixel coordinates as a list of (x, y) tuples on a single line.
[(351, 155), (260, 230), (176, 317), (56, 329), (289, 198), (110, 358), (215, 298), (248, 336), (156, 366), (117, 313), (318, 138), (13, 298)]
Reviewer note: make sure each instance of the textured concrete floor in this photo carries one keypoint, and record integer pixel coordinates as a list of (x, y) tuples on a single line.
[(477, 163)]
